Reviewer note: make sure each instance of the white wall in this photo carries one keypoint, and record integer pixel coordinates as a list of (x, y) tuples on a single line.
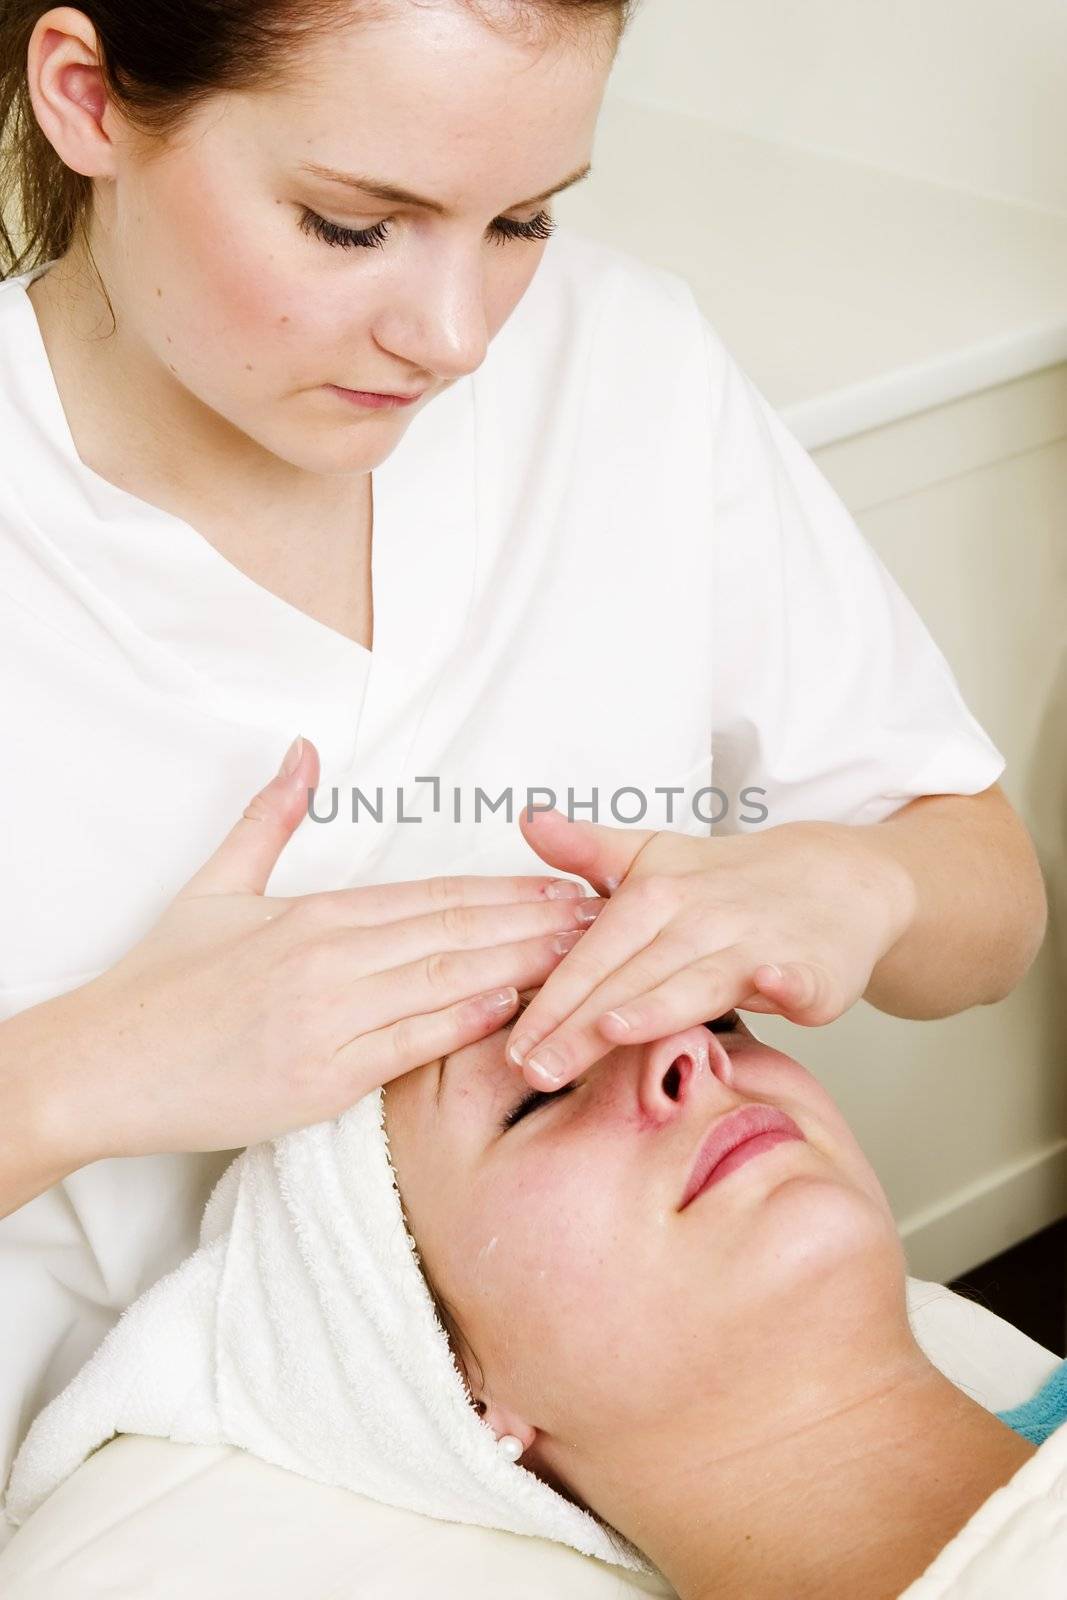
[(965, 1119), (965, 92)]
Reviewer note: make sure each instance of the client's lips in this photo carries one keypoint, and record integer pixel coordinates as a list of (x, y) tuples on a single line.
[(759, 1125)]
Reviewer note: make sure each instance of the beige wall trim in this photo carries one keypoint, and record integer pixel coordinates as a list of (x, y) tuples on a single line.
[(988, 1216)]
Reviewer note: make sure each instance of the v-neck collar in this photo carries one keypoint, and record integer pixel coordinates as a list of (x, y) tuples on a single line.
[(205, 628)]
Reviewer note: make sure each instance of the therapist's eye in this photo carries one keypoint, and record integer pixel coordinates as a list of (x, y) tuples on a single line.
[(333, 233), (541, 226), (532, 1102)]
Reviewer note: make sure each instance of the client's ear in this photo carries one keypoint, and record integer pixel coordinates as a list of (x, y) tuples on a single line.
[(502, 1421)]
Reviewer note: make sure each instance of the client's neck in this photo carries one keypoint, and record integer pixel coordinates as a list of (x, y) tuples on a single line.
[(852, 1491)]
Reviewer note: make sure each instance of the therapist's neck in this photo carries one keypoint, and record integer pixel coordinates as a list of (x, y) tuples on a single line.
[(845, 1478)]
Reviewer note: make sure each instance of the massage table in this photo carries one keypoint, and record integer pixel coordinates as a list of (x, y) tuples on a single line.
[(148, 1519)]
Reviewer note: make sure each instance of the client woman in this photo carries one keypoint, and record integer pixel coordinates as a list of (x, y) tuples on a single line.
[(675, 1293)]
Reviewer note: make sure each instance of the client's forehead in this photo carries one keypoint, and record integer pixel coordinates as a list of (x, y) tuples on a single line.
[(455, 1057), (420, 1082)]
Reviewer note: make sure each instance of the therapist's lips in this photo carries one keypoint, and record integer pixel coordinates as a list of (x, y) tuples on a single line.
[(375, 402), (735, 1139)]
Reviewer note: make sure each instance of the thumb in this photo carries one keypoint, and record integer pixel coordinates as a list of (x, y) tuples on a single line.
[(249, 853), (599, 854), (801, 991)]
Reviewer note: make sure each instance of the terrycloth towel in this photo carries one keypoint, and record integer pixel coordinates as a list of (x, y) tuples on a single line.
[(303, 1331), (1041, 1415)]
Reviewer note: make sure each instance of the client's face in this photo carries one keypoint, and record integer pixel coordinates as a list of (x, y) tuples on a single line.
[(596, 1303)]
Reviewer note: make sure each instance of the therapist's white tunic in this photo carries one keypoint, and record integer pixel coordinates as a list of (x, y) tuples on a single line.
[(600, 564)]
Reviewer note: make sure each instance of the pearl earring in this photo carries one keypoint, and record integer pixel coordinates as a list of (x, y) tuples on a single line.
[(510, 1446)]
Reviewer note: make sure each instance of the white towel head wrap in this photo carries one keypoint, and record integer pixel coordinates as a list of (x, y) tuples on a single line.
[(303, 1330)]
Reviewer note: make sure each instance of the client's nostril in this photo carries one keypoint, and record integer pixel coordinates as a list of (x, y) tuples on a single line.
[(672, 1080)]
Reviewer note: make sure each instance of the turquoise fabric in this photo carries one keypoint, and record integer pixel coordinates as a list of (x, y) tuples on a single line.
[(1036, 1418)]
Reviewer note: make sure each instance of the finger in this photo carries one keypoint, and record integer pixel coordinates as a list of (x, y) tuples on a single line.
[(626, 928), (758, 1002), (247, 856), (373, 904), (696, 992), (761, 1002), (802, 991), (600, 854), (378, 1057), (442, 979), (394, 944)]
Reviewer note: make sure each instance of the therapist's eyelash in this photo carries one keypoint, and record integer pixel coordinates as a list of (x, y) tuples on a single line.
[(542, 226)]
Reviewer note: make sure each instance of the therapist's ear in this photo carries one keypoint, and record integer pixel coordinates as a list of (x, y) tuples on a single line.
[(68, 92)]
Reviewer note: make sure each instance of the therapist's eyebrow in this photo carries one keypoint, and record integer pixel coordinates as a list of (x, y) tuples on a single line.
[(404, 197), (446, 1059)]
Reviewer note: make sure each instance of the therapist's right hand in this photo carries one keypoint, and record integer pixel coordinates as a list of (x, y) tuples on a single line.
[(241, 1016)]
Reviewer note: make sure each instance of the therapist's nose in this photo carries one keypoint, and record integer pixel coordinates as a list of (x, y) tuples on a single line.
[(675, 1070), (440, 326)]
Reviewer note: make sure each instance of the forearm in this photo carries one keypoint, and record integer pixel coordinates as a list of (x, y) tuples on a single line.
[(978, 898), (36, 1147)]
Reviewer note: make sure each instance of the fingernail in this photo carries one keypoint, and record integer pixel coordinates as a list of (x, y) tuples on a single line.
[(547, 1067), (589, 910), (563, 889), (292, 757), (517, 1048), (618, 1018), (500, 999), (566, 941)]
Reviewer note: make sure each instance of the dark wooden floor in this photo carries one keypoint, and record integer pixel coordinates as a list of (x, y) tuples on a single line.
[(1027, 1285)]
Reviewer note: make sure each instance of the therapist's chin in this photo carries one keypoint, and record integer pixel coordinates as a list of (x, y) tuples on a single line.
[(322, 443)]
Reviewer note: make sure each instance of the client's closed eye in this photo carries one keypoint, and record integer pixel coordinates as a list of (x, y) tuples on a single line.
[(536, 1098), (531, 1102)]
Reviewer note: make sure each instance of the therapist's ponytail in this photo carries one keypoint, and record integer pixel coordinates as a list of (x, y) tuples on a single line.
[(161, 59)]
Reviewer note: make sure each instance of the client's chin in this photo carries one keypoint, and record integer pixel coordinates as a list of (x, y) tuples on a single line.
[(803, 1249)]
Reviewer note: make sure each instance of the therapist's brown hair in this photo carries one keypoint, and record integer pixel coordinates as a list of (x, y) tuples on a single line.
[(161, 59)]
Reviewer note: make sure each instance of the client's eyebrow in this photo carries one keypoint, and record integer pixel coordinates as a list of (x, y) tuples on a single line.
[(404, 197), (446, 1059)]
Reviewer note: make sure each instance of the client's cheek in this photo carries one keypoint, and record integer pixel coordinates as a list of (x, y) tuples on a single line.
[(797, 1092), (766, 1074), (542, 1251)]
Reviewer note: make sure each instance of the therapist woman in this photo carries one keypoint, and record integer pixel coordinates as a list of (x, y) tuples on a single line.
[(314, 438)]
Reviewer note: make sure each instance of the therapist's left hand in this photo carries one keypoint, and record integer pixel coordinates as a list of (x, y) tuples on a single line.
[(792, 920)]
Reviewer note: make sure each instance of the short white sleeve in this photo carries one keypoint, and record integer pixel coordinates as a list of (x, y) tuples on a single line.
[(828, 691)]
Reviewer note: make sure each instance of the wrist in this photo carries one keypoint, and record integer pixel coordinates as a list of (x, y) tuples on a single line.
[(900, 886), (45, 1085), (874, 874), (889, 882)]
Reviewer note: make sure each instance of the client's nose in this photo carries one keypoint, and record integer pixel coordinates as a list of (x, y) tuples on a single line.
[(677, 1066)]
